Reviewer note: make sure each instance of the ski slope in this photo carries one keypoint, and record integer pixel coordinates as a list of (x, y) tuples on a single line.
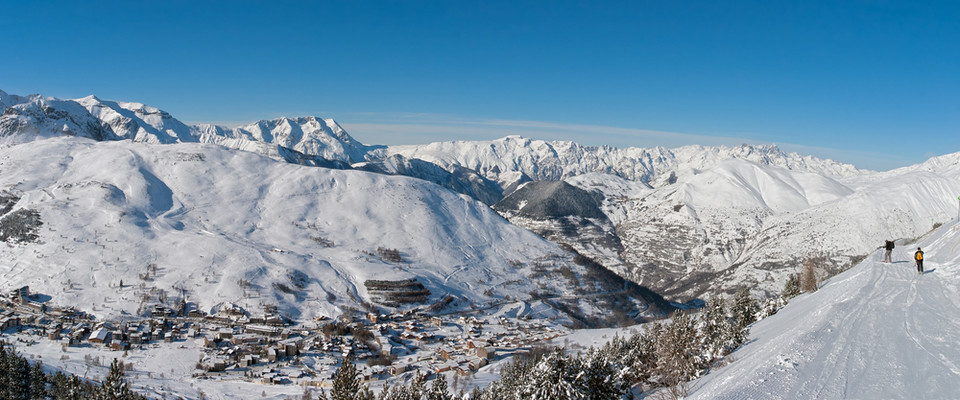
[(876, 331)]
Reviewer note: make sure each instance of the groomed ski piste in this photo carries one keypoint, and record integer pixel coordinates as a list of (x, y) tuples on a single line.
[(877, 331)]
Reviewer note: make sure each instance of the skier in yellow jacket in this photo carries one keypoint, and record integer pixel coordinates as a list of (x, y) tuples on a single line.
[(919, 257)]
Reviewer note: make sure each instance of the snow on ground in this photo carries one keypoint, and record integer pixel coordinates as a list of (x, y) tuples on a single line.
[(225, 226), (161, 369), (876, 331)]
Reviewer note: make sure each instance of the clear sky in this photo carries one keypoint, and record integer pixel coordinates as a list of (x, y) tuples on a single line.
[(873, 83)]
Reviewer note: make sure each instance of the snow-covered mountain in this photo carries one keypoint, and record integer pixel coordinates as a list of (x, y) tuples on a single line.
[(110, 120), (744, 223), (218, 227), (500, 160), (684, 221), (877, 331)]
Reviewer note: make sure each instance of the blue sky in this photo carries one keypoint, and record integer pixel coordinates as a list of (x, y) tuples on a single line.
[(874, 83)]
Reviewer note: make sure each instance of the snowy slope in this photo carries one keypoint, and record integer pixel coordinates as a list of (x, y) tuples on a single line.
[(876, 331), (745, 223), (224, 226), (683, 221)]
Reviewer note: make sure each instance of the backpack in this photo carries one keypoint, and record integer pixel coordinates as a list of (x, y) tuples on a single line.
[(889, 245), (918, 256)]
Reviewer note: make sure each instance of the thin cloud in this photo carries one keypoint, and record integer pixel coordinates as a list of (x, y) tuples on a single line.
[(405, 128), (434, 128)]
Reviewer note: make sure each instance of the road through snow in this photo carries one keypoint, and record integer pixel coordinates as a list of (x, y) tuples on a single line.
[(876, 331)]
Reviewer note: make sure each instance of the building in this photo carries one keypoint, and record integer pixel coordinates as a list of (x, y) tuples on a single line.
[(100, 335)]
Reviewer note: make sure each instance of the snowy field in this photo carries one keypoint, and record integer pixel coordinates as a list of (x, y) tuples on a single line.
[(877, 331)]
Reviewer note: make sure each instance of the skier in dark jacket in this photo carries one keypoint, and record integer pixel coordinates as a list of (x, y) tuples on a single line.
[(919, 257), (889, 249)]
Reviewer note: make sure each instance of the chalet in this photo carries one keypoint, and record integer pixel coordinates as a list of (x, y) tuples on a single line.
[(101, 335), (160, 311), (246, 338), (485, 353), (269, 331), (273, 320), (10, 321), (398, 369), (216, 365), (447, 366), (273, 355), (68, 341), (249, 360), (223, 334), (209, 341), (53, 334), (444, 355)]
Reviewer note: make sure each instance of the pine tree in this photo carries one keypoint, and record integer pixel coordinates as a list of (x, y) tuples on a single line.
[(417, 386), (346, 382), (513, 378), (6, 371), (745, 308), (438, 390), (38, 381), (791, 289), (677, 354), (717, 331), (646, 359), (552, 378), (115, 387), (20, 379), (598, 379)]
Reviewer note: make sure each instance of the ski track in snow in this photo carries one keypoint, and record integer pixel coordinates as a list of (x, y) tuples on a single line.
[(877, 331)]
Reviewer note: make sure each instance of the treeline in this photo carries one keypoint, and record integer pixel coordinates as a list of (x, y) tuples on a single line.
[(21, 380), (662, 358)]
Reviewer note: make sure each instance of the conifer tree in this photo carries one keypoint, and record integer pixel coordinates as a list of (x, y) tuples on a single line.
[(745, 308), (598, 379), (676, 352), (38, 381), (438, 390), (717, 340), (791, 288), (115, 387), (346, 382), (551, 378)]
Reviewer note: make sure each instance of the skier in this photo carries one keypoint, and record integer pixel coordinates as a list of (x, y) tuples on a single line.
[(919, 257), (886, 255)]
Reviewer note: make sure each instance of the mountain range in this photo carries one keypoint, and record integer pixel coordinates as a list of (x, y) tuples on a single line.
[(685, 222), (116, 211)]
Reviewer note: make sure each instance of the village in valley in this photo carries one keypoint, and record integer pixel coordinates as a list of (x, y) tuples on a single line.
[(234, 344)]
